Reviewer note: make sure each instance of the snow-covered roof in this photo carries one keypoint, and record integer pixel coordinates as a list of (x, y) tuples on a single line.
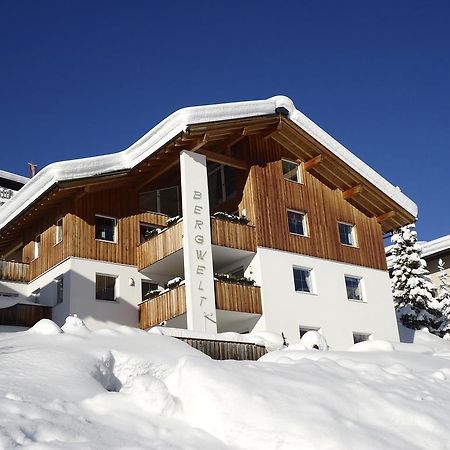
[(436, 246), (13, 177), (171, 127)]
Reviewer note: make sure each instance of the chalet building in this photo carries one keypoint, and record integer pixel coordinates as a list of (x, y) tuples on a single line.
[(10, 183), (268, 221)]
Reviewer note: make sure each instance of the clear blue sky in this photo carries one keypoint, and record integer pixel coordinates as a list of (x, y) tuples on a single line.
[(90, 77)]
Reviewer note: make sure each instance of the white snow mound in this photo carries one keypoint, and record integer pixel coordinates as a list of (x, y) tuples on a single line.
[(74, 325), (45, 327)]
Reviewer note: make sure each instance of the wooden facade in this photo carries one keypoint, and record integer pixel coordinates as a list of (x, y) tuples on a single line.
[(222, 350), (14, 271), (170, 304), (24, 315), (254, 147)]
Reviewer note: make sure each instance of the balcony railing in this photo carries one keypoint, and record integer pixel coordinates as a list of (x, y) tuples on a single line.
[(229, 297), (223, 233), (14, 271)]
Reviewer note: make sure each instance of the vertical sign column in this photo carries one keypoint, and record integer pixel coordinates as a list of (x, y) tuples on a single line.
[(198, 266)]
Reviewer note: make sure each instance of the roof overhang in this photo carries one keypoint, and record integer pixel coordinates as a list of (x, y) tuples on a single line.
[(179, 124)]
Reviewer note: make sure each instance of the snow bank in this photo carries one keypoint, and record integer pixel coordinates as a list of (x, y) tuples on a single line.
[(126, 388), (45, 327), (372, 346)]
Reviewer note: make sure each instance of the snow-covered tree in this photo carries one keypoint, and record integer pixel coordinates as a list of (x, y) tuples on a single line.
[(443, 298), (411, 286)]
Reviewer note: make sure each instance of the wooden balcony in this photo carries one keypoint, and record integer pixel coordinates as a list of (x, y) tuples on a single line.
[(223, 233), (24, 315), (229, 297), (14, 271)]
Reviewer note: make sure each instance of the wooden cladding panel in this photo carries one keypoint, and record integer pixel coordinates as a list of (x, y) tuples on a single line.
[(23, 315), (238, 297), (14, 271), (222, 350), (164, 307), (160, 246), (234, 235), (268, 195)]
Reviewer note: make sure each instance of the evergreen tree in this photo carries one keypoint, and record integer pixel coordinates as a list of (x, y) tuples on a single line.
[(411, 286), (443, 298)]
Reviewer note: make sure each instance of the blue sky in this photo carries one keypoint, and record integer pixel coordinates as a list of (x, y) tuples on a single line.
[(90, 77)]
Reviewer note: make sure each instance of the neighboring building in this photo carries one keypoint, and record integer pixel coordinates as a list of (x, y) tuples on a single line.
[(95, 240), (432, 252), (10, 183)]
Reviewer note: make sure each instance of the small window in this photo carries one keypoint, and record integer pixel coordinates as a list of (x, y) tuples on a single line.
[(303, 330), (37, 246), (105, 287), (221, 183), (302, 280), (147, 287), (59, 289), (347, 234), (58, 231), (105, 228), (297, 223), (146, 231), (361, 337), (354, 288), (291, 171)]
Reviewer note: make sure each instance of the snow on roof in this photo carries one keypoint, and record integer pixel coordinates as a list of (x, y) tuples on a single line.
[(13, 177), (435, 246), (171, 127)]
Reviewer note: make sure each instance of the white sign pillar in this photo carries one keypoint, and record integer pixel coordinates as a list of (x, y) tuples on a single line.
[(198, 265)]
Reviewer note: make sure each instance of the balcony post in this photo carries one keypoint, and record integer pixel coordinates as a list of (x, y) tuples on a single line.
[(197, 254)]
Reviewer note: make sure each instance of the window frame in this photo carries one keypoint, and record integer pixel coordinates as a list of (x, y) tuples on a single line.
[(360, 286), (116, 290), (353, 234), (37, 246), (299, 173), (114, 241), (310, 271), (305, 222), (58, 231), (158, 200), (223, 185), (59, 281)]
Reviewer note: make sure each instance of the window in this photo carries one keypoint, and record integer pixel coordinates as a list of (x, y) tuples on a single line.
[(146, 231), (354, 288), (58, 231), (105, 287), (291, 171), (147, 287), (297, 223), (302, 280), (37, 246), (361, 337), (347, 234), (59, 289), (163, 201), (105, 228), (221, 183), (303, 330)]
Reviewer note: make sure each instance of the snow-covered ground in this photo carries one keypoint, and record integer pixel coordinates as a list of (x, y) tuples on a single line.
[(130, 389)]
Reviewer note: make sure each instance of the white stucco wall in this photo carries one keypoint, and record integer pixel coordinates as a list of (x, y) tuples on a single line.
[(79, 293), (284, 309)]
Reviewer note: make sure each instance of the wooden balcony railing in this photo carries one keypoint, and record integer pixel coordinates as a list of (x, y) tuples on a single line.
[(14, 271), (24, 315), (229, 297), (223, 233), (233, 235)]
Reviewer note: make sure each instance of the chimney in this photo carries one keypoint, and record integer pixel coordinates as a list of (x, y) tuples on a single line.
[(32, 169)]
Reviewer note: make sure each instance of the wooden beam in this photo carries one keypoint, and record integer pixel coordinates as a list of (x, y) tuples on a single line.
[(386, 216), (236, 138), (355, 190), (158, 173), (272, 131), (201, 143), (308, 165), (224, 159)]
